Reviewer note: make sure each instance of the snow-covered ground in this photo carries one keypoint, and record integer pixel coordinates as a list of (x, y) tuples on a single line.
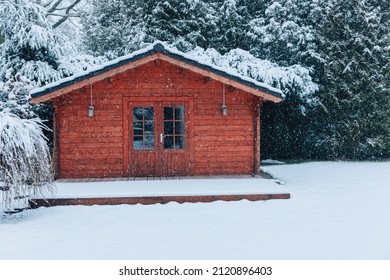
[(338, 210)]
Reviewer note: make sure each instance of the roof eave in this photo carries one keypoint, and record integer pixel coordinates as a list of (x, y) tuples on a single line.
[(90, 78), (222, 77)]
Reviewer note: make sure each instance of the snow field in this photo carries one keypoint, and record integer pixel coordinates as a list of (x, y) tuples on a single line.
[(338, 210)]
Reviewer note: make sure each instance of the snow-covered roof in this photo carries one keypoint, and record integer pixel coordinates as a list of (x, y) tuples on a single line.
[(273, 93)]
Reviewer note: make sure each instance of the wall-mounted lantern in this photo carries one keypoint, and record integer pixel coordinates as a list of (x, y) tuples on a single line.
[(224, 108), (90, 111), (91, 108)]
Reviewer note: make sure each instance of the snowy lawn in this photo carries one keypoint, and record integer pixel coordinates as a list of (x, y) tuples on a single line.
[(338, 210)]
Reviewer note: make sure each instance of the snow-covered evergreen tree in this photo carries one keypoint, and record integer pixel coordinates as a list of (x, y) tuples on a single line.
[(14, 95), (353, 71), (119, 27), (293, 79), (282, 33), (113, 28), (344, 43), (279, 31), (185, 24), (31, 48), (231, 26)]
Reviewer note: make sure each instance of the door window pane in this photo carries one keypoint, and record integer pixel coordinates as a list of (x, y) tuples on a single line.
[(148, 143), (149, 113), (168, 113), (143, 128), (168, 128), (168, 142), (179, 142), (137, 143), (149, 128), (137, 128), (137, 114), (179, 113), (174, 127), (179, 127)]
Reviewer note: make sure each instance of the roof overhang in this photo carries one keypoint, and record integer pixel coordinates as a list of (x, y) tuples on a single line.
[(155, 52)]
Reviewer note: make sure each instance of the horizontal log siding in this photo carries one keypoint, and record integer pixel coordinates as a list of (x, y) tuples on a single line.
[(223, 144), (93, 146)]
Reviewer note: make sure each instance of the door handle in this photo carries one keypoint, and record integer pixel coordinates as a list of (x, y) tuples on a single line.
[(161, 137)]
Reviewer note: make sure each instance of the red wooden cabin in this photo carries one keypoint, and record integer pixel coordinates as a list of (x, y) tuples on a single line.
[(157, 112)]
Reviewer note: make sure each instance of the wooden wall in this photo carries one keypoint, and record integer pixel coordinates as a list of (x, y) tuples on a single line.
[(93, 146)]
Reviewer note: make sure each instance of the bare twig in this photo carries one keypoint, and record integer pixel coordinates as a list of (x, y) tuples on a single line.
[(64, 16), (55, 5)]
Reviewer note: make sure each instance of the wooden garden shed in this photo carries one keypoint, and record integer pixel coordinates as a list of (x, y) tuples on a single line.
[(156, 112)]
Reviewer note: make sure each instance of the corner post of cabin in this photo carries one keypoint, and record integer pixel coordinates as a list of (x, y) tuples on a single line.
[(256, 137), (56, 143)]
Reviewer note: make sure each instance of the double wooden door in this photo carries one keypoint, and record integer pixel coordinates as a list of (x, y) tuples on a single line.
[(158, 139)]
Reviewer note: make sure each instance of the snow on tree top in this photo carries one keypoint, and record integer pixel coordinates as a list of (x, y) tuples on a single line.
[(158, 47)]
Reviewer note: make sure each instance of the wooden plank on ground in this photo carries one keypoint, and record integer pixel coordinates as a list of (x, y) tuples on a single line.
[(35, 203)]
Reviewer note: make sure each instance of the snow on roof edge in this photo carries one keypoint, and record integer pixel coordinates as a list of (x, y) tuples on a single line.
[(157, 46), (229, 71), (93, 69)]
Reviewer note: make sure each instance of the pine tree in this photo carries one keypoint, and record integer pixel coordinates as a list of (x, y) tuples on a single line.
[(231, 26), (31, 48), (280, 31), (119, 27), (344, 42), (113, 28), (353, 121)]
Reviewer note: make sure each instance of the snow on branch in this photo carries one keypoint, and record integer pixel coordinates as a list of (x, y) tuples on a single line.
[(66, 14), (25, 162), (293, 79)]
